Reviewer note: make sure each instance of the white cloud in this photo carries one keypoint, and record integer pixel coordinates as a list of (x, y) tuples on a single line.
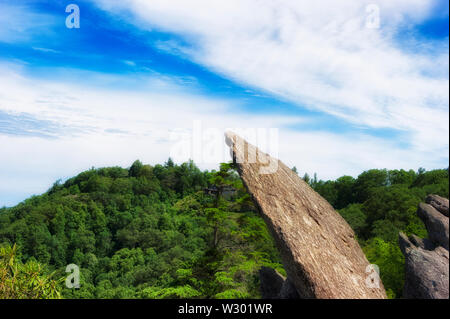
[(99, 126), (109, 127), (316, 54), (46, 50), (19, 23), (319, 55)]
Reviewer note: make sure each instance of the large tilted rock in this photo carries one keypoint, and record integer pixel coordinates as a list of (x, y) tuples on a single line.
[(427, 260), (320, 254)]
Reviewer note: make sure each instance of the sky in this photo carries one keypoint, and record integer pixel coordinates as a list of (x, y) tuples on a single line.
[(349, 85)]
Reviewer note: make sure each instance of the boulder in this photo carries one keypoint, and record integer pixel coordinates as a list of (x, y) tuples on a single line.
[(427, 260), (436, 224), (438, 202), (426, 271), (321, 257)]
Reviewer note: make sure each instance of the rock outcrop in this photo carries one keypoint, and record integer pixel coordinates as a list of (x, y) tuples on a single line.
[(438, 202), (321, 257), (427, 260)]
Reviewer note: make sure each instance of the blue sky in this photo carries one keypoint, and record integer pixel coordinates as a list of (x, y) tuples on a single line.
[(344, 97)]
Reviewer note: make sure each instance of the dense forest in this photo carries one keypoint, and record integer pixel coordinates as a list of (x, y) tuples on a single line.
[(168, 231), (174, 231)]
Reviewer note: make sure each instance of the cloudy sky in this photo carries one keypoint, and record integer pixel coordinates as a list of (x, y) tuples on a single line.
[(350, 85)]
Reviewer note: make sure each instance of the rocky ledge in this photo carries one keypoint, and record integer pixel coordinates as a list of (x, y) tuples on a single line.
[(427, 260)]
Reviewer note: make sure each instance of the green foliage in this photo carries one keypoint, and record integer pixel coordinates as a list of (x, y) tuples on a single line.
[(146, 232), (388, 257), (183, 292), (432, 177), (367, 181), (345, 188), (135, 169), (173, 231), (25, 281), (327, 190), (355, 217)]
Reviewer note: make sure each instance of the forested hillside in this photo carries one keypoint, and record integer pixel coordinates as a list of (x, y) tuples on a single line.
[(146, 232), (173, 231)]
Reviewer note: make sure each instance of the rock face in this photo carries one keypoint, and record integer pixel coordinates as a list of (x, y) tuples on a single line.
[(320, 254), (427, 260), (276, 286), (436, 224), (438, 202)]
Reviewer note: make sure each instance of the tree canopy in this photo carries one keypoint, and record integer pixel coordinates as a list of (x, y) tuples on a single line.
[(146, 232)]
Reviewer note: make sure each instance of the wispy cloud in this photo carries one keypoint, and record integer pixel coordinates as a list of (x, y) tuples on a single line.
[(23, 124), (46, 50), (318, 55), (98, 126), (19, 23), (55, 122)]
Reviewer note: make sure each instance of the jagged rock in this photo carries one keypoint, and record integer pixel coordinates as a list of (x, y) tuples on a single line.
[(426, 271), (427, 260), (318, 248), (438, 202), (423, 243), (436, 224)]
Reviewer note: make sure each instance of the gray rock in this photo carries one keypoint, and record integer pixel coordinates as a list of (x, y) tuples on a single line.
[(438, 202), (426, 260), (426, 271), (423, 243), (436, 224)]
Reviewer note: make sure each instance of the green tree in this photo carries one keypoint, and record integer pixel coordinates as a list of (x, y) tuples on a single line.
[(367, 181), (388, 257), (136, 168), (355, 217), (345, 191)]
